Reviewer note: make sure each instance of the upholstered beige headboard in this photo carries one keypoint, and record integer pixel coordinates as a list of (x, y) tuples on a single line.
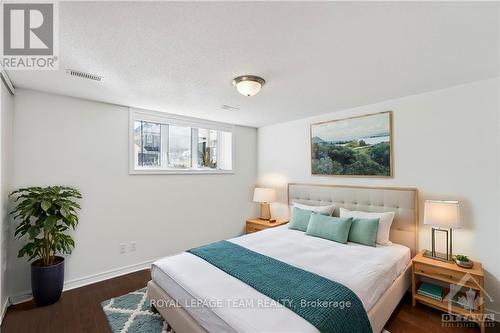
[(402, 201)]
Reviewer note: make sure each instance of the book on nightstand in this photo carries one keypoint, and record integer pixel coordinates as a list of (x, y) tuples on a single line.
[(431, 290)]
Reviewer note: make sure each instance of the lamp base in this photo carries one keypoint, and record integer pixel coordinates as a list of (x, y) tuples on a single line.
[(438, 256), (265, 211), (446, 257)]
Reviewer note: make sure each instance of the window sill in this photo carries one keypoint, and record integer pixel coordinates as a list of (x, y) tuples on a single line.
[(180, 172)]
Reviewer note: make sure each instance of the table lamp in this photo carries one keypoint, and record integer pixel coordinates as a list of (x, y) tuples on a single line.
[(443, 216), (264, 196)]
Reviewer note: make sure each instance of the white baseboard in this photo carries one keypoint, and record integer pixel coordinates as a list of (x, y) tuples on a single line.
[(89, 279), (86, 280), (6, 304), (20, 297)]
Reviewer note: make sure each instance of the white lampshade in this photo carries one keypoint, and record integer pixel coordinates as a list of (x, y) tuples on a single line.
[(261, 194), (442, 213)]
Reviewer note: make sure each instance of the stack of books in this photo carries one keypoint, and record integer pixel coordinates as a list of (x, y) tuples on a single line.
[(431, 291)]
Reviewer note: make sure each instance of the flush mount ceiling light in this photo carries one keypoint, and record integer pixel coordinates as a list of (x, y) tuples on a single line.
[(248, 85)]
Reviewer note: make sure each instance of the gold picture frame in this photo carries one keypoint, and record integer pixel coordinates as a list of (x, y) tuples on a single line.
[(350, 145)]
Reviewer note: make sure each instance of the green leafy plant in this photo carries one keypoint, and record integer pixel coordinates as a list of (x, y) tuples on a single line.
[(45, 215), (461, 257)]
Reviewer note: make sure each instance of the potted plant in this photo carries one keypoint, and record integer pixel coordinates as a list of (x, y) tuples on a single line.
[(45, 215), (463, 261)]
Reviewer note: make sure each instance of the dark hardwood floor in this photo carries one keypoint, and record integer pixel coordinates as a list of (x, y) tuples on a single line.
[(409, 319), (79, 310)]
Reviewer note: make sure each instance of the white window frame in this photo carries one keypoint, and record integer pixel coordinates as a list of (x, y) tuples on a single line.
[(170, 119)]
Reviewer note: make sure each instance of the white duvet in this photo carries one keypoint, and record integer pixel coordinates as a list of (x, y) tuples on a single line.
[(222, 303)]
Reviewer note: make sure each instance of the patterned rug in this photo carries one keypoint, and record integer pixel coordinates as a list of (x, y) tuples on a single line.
[(131, 313)]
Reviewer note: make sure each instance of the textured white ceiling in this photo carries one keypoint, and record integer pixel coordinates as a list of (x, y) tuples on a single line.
[(180, 57)]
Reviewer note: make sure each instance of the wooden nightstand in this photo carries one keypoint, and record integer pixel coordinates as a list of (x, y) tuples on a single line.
[(449, 273), (257, 224)]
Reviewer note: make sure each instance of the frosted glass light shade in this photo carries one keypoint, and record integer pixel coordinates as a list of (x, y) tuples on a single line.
[(248, 88), (261, 194), (248, 85), (442, 213)]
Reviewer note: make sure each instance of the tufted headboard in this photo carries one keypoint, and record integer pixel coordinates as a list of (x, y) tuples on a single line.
[(402, 201)]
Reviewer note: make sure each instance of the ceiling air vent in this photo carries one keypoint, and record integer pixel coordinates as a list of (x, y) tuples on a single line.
[(84, 75), (229, 107)]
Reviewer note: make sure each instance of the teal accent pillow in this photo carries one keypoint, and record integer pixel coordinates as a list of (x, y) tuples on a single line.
[(299, 219), (364, 231), (328, 227)]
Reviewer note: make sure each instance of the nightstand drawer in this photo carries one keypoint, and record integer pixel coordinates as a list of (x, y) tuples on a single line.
[(441, 274), (254, 228), (256, 224)]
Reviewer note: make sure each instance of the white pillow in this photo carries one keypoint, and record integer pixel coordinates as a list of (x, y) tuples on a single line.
[(325, 210), (384, 223)]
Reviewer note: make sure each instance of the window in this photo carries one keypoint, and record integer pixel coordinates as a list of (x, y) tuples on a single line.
[(147, 143), (207, 148), (179, 146), (161, 143)]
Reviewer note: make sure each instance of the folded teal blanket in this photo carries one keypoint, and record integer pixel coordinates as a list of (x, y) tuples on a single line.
[(326, 304)]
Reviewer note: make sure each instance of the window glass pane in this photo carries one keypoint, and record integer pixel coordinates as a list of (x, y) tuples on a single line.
[(226, 151), (207, 148), (179, 146), (147, 143)]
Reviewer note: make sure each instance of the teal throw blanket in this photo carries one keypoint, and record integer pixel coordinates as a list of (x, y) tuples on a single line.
[(328, 305)]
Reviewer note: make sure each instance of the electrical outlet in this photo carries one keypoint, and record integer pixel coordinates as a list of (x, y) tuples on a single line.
[(123, 248), (133, 246)]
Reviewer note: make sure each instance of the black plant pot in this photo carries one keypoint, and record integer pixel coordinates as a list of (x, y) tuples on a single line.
[(47, 281)]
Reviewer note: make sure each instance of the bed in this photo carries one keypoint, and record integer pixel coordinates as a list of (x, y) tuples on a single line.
[(195, 296)]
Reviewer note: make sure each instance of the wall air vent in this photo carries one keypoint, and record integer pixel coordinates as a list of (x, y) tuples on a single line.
[(84, 75)]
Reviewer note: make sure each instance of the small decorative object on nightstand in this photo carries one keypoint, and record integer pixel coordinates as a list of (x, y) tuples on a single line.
[(463, 261), (443, 216), (264, 196), (257, 224), (464, 294)]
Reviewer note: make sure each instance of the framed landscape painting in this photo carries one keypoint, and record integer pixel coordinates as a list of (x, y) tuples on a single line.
[(357, 146)]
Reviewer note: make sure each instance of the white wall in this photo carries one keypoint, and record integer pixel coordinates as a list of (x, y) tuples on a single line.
[(446, 144), (80, 143), (6, 122)]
